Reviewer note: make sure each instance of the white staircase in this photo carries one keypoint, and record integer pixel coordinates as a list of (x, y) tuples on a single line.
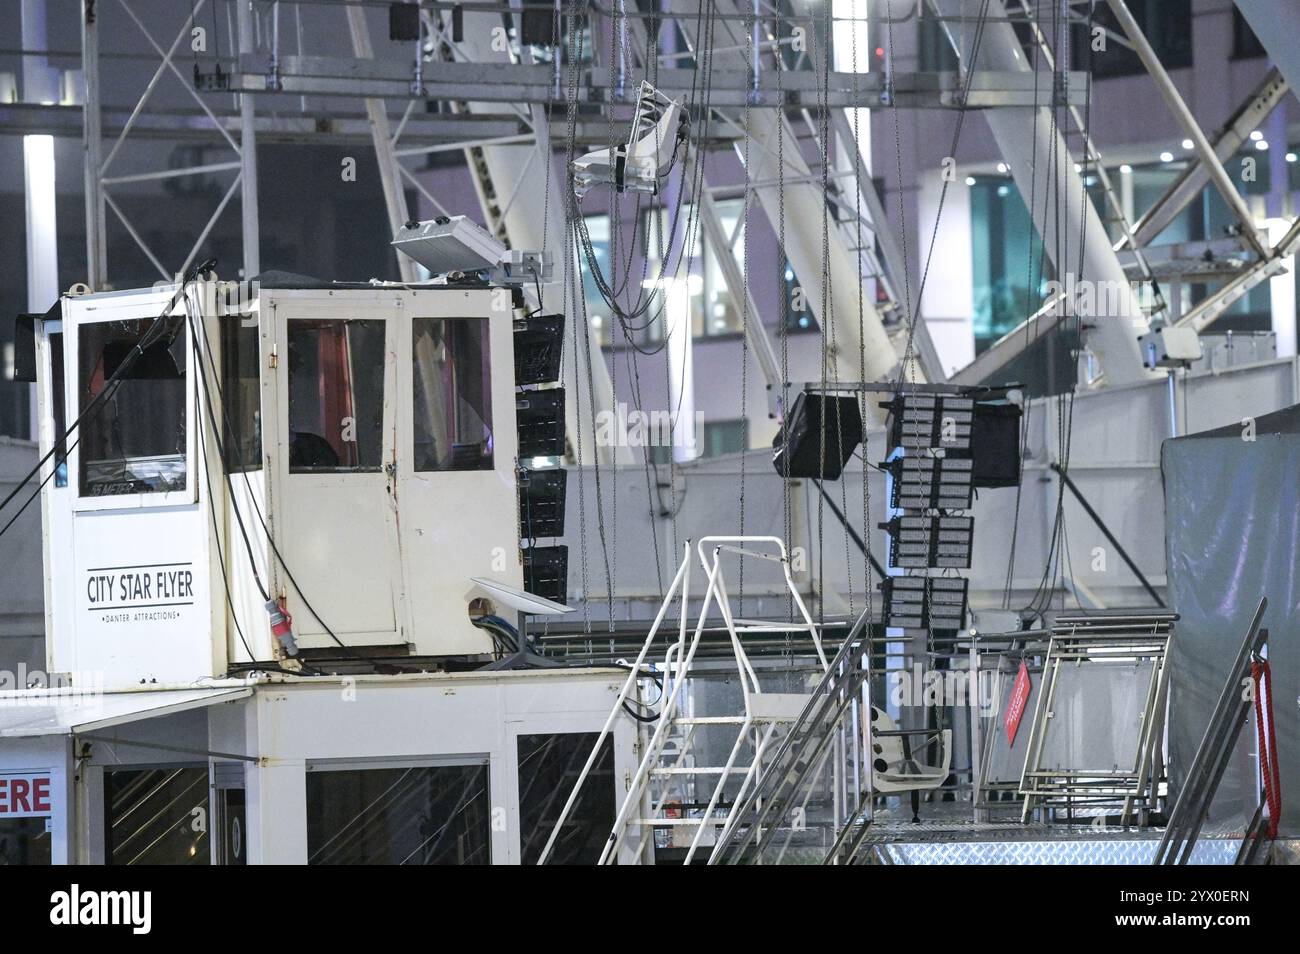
[(672, 791)]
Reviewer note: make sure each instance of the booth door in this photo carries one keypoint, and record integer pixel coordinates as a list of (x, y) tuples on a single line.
[(338, 535)]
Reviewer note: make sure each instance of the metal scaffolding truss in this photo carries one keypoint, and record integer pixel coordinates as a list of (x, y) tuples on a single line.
[(97, 165), (484, 105)]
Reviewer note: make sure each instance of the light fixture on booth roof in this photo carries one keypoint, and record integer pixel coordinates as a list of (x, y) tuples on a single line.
[(1003, 168), (1256, 135), (1261, 145), (1290, 157), (970, 180), (1126, 169), (1187, 144), (1166, 157)]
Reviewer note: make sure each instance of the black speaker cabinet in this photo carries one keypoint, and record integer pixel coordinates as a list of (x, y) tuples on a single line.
[(818, 422)]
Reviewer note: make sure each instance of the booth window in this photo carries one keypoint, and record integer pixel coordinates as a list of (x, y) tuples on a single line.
[(242, 427), (134, 440), (546, 764), (403, 815), (452, 394), (24, 841), (336, 395), (149, 816)]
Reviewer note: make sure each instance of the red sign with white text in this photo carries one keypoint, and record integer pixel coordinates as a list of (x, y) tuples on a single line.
[(1016, 704), (24, 794)]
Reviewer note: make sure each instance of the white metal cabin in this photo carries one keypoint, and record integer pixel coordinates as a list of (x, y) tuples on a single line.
[(370, 429)]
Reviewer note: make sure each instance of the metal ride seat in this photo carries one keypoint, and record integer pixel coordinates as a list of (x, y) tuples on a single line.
[(894, 767)]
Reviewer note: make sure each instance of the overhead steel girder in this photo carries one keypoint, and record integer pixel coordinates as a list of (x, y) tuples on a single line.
[(26, 119), (485, 81)]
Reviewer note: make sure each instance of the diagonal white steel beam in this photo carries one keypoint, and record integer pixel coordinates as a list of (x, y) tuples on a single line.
[(1028, 143), (381, 136), (169, 63), (139, 240), (1204, 151), (1271, 91)]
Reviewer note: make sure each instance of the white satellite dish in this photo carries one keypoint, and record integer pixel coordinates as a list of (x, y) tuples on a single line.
[(521, 600)]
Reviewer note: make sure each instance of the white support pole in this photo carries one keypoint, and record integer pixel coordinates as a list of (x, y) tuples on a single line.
[(40, 85), (1029, 143), (92, 150), (681, 369), (248, 155), (42, 240)]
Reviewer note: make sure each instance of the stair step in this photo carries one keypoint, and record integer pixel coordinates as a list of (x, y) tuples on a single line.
[(700, 770), (677, 822), (711, 720)]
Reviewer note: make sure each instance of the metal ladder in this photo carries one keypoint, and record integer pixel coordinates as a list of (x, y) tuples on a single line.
[(666, 793)]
